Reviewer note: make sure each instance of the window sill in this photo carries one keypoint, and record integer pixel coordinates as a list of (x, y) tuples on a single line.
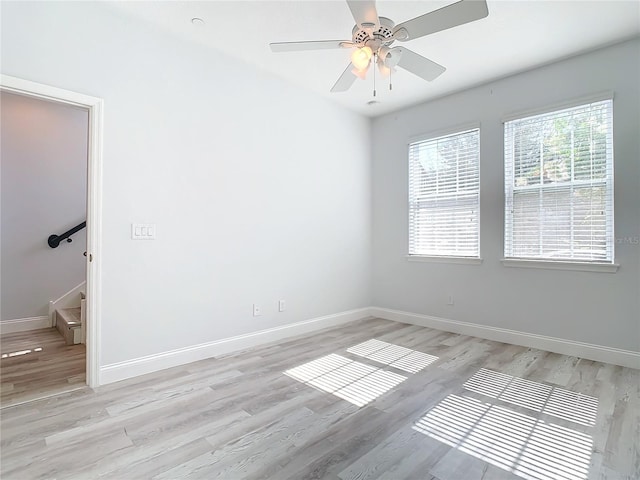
[(555, 265), (432, 259)]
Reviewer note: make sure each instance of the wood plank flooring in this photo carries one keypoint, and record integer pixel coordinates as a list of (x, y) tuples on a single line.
[(372, 399), (38, 363)]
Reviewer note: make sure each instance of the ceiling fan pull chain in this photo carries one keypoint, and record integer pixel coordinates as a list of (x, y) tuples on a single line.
[(374, 74), (390, 80)]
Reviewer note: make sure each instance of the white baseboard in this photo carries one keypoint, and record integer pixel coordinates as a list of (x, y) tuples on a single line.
[(152, 363), (24, 324), (598, 353)]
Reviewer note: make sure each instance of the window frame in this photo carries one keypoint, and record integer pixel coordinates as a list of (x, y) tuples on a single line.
[(607, 265), (433, 135)]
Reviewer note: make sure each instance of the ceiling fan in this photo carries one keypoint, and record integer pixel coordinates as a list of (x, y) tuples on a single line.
[(373, 36)]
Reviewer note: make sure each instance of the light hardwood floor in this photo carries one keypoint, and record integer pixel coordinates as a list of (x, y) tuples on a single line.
[(372, 399), (38, 363)]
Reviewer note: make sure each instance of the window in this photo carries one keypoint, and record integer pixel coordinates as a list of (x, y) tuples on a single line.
[(444, 196), (559, 185)]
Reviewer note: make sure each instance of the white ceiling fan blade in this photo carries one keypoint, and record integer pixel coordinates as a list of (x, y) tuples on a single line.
[(345, 81), (458, 13), (364, 13), (313, 45), (417, 64)]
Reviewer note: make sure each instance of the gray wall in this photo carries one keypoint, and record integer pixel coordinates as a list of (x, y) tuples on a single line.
[(597, 308), (260, 191), (43, 152)]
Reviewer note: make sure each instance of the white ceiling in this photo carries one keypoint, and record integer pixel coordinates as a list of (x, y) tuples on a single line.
[(517, 35)]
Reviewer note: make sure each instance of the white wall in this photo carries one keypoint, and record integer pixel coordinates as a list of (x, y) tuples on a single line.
[(260, 191), (596, 308), (43, 152)]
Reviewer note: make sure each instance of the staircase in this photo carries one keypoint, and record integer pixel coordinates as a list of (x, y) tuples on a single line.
[(70, 322)]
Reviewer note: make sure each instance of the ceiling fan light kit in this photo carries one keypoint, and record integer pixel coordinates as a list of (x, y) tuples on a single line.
[(373, 36), (361, 57)]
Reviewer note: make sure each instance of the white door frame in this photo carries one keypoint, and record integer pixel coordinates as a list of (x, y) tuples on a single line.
[(94, 203)]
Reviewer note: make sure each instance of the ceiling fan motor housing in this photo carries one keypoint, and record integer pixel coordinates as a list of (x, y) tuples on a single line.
[(374, 39)]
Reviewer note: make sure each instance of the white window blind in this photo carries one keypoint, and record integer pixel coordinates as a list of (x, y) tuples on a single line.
[(559, 185), (444, 196)]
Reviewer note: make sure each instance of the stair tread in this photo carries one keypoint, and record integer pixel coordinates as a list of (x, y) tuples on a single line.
[(69, 316)]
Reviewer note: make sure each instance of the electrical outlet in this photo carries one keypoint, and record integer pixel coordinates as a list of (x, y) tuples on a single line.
[(450, 300), (257, 311), (282, 306)]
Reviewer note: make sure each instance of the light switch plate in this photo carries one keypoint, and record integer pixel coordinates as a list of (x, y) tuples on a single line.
[(143, 231)]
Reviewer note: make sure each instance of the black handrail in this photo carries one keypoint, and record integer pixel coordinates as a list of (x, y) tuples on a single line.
[(54, 240)]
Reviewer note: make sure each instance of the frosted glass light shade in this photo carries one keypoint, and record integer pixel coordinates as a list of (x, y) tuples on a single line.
[(361, 57)]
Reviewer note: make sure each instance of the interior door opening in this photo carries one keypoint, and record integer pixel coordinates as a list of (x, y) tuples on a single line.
[(91, 293)]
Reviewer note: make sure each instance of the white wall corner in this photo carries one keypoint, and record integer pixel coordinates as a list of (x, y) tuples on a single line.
[(160, 361), (24, 324), (588, 351)]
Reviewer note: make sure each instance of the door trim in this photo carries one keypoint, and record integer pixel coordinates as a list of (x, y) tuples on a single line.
[(94, 204)]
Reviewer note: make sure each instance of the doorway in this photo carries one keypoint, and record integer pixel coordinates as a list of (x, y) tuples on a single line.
[(94, 107)]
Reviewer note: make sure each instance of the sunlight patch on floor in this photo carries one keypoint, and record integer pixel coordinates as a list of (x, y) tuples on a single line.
[(357, 382), (395, 356), (21, 352), (519, 443), (353, 381), (558, 402)]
